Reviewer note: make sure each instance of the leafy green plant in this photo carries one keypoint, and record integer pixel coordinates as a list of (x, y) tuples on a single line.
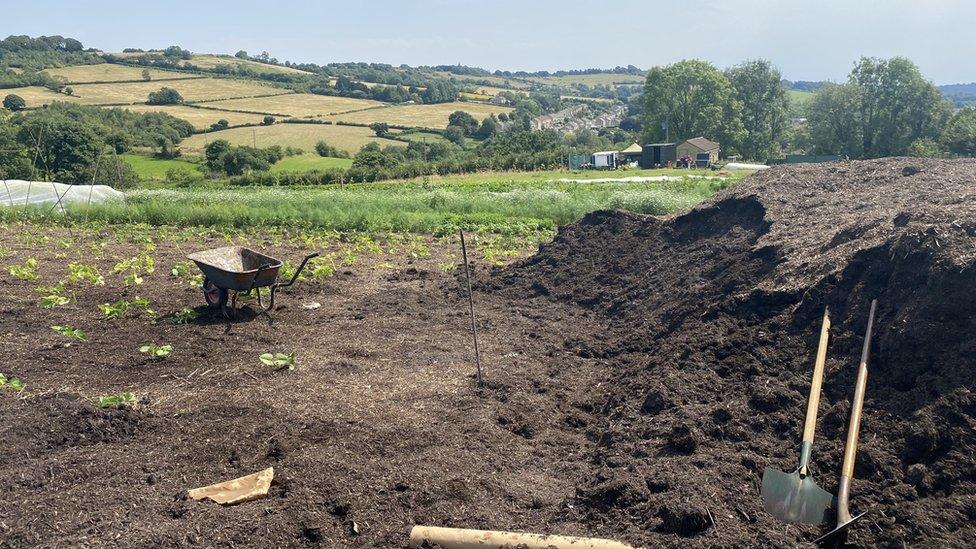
[(5, 252), (447, 267), (68, 331), (156, 351), (27, 271), (114, 400), (279, 360), (13, 383), (182, 270), (322, 268), (143, 304), (79, 272), (114, 310), (185, 315), (53, 300), (135, 268)]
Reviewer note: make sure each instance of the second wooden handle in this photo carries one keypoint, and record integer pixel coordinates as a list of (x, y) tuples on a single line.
[(854, 427)]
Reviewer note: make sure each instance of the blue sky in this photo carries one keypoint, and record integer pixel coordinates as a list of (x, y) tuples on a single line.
[(808, 40)]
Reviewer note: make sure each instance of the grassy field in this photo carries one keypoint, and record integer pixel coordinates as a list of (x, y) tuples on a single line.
[(304, 136), (421, 116), (211, 61), (303, 105), (497, 80), (107, 72), (491, 203), (200, 118), (36, 96), (309, 162), (607, 79), (155, 168), (429, 137), (799, 96), (197, 89)]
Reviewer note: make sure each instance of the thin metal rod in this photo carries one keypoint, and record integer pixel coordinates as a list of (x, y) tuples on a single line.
[(474, 328), (10, 197)]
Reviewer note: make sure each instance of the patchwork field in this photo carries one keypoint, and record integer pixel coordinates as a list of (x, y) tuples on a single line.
[(421, 116), (36, 96), (197, 89), (309, 162), (156, 168), (304, 136), (211, 61), (297, 104), (107, 72), (606, 79), (200, 118)]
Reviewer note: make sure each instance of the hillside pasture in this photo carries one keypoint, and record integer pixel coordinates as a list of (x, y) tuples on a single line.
[(421, 116), (108, 72), (799, 97), (606, 79), (148, 167), (208, 61), (200, 118), (196, 89), (304, 105), (36, 96), (310, 162), (303, 136)]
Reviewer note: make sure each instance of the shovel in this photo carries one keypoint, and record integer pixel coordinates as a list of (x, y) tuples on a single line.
[(795, 497), (844, 518)]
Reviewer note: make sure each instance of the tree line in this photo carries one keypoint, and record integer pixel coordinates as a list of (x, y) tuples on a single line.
[(885, 108)]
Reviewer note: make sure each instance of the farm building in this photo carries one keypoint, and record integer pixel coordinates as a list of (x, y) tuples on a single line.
[(654, 155), (631, 154), (605, 160), (702, 151)]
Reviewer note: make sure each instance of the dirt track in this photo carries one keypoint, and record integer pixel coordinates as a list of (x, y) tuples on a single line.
[(642, 373)]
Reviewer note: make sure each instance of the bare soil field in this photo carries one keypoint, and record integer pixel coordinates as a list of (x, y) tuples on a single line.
[(641, 372)]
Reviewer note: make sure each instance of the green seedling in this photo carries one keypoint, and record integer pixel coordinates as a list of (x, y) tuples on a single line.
[(135, 268), (279, 360), (5, 252), (185, 315), (13, 383), (322, 268), (448, 267), (27, 271), (52, 301), (114, 310), (156, 351), (182, 270), (68, 331), (143, 304), (114, 400), (79, 272)]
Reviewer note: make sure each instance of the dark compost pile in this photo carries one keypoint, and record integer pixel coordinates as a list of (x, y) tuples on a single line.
[(713, 318)]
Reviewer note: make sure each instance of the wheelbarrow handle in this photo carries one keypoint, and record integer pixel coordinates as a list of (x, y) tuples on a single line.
[(298, 271)]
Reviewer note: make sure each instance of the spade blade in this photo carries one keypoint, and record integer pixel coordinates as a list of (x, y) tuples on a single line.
[(792, 498)]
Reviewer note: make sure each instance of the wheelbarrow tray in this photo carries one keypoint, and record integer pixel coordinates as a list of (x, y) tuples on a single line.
[(234, 267)]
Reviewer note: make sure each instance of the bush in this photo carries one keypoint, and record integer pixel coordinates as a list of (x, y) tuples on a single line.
[(221, 124), (165, 96), (268, 120), (324, 149), (14, 103)]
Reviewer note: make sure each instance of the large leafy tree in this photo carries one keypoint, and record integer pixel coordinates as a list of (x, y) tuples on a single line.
[(66, 148), (688, 99), (834, 120), (960, 134), (758, 87), (888, 104)]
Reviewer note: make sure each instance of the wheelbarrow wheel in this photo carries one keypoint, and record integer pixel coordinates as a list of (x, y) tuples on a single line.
[(215, 296)]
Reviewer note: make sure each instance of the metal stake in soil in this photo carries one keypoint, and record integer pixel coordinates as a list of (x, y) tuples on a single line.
[(474, 329)]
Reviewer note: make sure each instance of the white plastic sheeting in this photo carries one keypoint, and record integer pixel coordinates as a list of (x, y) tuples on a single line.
[(16, 192), (745, 166)]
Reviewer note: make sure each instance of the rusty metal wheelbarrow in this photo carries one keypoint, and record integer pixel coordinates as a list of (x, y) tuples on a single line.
[(238, 269)]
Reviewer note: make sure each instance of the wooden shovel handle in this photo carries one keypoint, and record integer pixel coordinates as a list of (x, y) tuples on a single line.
[(854, 427), (813, 403)]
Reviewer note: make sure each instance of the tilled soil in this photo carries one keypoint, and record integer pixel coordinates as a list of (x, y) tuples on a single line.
[(640, 374), (713, 317), (379, 428)]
